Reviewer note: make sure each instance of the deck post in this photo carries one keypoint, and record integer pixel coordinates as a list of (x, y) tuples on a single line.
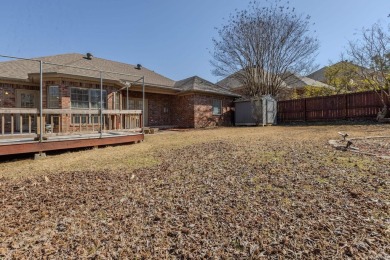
[(40, 101), (20, 123), (101, 104), (29, 123), (143, 103), (12, 124), (2, 124)]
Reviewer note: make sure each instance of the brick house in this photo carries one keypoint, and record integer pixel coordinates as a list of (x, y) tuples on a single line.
[(71, 96)]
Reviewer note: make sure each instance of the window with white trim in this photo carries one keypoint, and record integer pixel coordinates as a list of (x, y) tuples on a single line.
[(87, 98), (94, 95), (79, 98), (94, 119), (79, 119), (217, 107), (53, 97)]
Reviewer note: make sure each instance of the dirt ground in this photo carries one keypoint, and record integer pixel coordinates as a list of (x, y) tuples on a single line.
[(258, 192)]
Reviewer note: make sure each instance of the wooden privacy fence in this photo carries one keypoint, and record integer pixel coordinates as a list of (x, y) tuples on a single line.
[(336, 107)]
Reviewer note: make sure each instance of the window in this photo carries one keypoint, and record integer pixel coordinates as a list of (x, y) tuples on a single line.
[(217, 107), (79, 98), (87, 98), (95, 98), (27, 100), (85, 119), (135, 104), (94, 119), (53, 98), (77, 119)]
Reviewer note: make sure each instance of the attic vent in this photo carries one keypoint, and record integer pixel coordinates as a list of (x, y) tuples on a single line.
[(138, 67), (88, 56)]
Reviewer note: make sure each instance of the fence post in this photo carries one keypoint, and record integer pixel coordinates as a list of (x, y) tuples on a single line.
[(304, 110)]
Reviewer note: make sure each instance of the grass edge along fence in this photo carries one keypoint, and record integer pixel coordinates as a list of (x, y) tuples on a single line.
[(360, 105)]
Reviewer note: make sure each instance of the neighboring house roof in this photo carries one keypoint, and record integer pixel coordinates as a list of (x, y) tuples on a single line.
[(298, 82), (20, 69), (197, 84), (230, 82), (293, 81), (318, 75)]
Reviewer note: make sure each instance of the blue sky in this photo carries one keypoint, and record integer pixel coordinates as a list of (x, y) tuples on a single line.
[(171, 37)]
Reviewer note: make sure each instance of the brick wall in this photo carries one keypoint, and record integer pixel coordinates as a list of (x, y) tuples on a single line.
[(65, 87), (65, 102), (8, 100), (203, 106), (187, 111), (160, 107), (183, 114), (8, 93)]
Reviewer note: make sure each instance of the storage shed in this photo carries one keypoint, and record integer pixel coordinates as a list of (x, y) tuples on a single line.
[(262, 111)]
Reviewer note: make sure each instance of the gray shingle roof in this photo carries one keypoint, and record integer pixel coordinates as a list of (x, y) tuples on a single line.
[(293, 81), (318, 75), (230, 82), (20, 69), (197, 84), (300, 82)]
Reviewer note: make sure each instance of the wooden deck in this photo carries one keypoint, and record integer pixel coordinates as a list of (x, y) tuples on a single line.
[(64, 142)]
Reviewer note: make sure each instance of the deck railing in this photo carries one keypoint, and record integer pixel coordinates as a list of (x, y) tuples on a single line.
[(26, 121)]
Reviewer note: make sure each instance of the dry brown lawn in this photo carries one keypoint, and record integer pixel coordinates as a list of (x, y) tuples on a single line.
[(272, 192)]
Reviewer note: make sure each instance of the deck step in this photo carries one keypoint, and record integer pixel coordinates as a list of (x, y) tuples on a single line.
[(150, 130)]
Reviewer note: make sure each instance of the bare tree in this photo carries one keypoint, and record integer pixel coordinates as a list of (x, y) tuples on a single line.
[(263, 46), (372, 54)]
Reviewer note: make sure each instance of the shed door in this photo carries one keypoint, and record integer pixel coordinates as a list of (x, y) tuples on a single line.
[(271, 110)]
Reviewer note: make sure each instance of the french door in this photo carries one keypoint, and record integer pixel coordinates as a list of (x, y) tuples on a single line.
[(26, 99)]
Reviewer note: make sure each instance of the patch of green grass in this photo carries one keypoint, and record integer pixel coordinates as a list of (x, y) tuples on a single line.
[(322, 180), (353, 162), (349, 161)]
